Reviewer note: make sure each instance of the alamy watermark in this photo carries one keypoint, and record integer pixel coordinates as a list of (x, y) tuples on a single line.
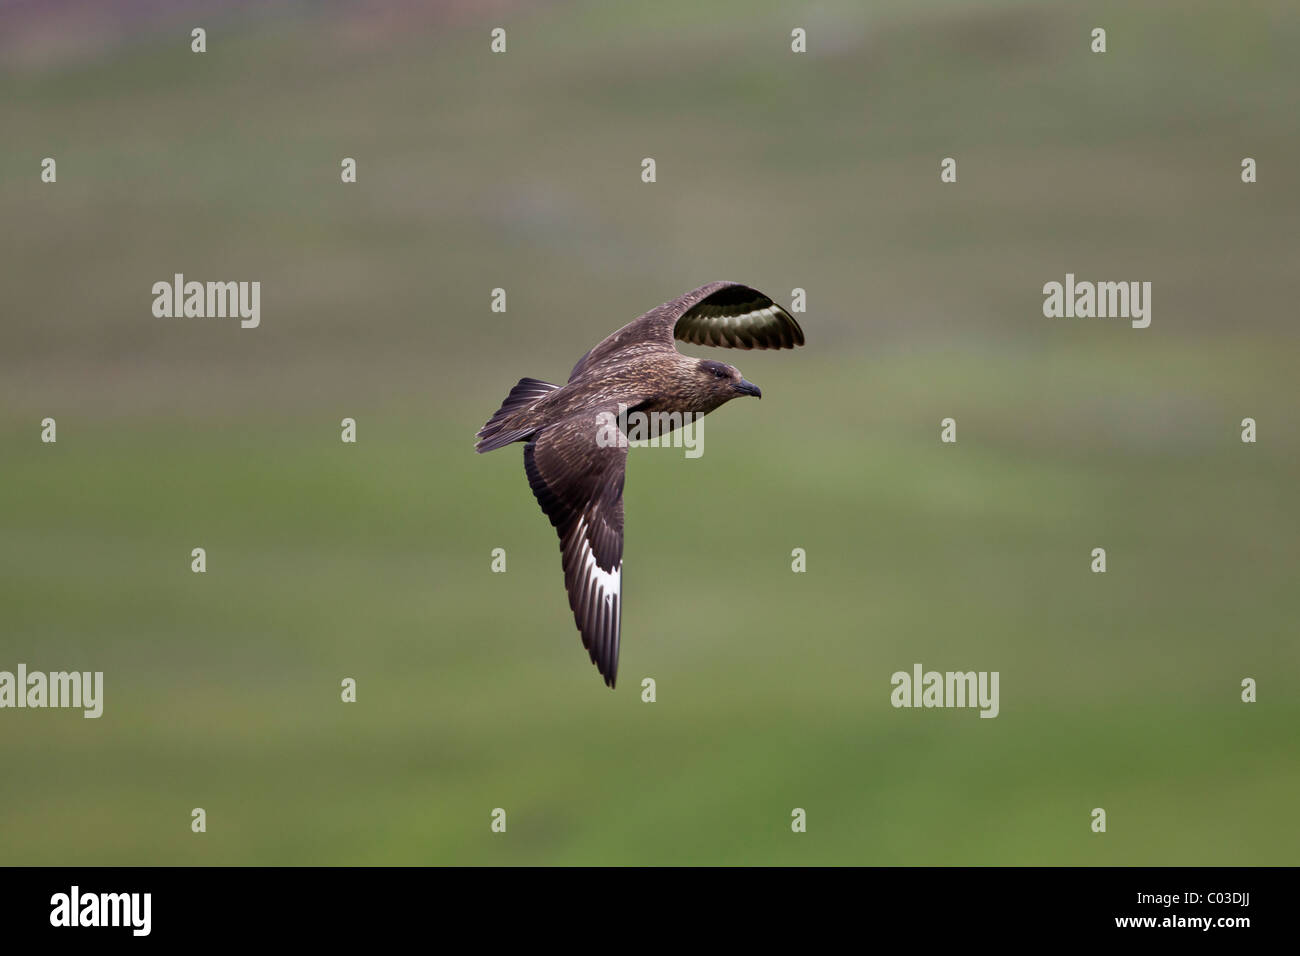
[(75, 689), (639, 429), (208, 300), (75, 908), (950, 689), (1102, 300)]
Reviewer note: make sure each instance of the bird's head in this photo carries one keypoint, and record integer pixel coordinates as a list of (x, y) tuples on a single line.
[(722, 382)]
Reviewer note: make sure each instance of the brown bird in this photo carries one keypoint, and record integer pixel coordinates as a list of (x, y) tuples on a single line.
[(577, 473)]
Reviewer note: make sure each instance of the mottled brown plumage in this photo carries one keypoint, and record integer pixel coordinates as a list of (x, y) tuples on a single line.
[(578, 478)]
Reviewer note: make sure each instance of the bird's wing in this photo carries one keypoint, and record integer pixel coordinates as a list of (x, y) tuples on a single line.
[(579, 485), (724, 314)]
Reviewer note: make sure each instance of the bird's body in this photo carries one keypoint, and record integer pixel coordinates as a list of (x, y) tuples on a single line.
[(577, 474)]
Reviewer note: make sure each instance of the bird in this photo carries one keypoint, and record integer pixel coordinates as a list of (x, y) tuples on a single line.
[(577, 478)]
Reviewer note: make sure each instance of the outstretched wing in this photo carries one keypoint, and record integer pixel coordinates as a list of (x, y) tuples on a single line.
[(724, 314), (577, 477)]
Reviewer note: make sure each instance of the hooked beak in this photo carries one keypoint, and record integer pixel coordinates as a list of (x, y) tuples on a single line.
[(746, 387)]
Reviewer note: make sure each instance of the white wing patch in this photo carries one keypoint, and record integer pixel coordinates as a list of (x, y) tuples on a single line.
[(742, 325), (730, 317), (607, 583)]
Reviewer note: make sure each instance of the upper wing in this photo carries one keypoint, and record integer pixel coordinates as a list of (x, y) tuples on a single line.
[(725, 314), (579, 485)]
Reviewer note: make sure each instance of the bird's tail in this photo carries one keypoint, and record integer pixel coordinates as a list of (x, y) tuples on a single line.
[(502, 429)]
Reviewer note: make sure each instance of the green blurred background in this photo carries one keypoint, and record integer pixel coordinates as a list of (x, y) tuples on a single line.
[(522, 171)]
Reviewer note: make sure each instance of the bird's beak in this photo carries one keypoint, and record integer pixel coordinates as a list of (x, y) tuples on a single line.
[(748, 388)]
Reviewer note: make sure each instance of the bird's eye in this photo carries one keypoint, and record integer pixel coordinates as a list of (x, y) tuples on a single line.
[(719, 373)]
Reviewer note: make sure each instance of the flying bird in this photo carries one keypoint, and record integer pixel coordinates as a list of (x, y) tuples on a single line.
[(578, 478)]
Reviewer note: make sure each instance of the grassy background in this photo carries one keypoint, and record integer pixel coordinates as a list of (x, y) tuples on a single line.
[(373, 561)]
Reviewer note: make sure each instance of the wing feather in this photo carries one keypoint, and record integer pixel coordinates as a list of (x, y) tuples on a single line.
[(722, 314), (579, 485)]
